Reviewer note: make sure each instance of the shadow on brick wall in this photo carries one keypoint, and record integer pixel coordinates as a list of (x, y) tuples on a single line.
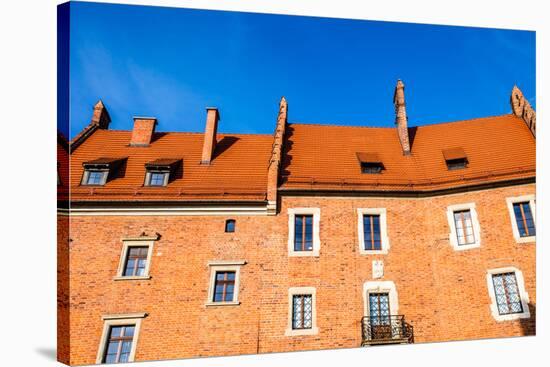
[(529, 325)]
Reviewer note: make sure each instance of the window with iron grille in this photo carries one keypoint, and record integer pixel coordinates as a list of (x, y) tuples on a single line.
[(303, 232), (464, 227), (524, 219), (136, 261), (119, 344), (507, 294), (371, 231), (302, 311), (230, 225), (224, 286)]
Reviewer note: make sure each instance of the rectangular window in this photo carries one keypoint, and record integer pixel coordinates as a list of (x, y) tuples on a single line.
[(371, 168), (119, 344), (224, 286), (464, 227), (371, 231), (96, 177), (302, 311), (507, 294), (303, 232), (454, 164), (524, 219), (136, 261)]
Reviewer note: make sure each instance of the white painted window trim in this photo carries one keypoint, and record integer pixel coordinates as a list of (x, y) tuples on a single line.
[(86, 173), (316, 212), (306, 291), (115, 320), (135, 242), (224, 265), (522, 293), (475, 223), (510, 203), (385, 243), (148, 173)]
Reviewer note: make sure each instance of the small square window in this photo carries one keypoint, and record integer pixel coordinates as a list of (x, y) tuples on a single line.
[(136, 261), (223, 289), (230, 225)]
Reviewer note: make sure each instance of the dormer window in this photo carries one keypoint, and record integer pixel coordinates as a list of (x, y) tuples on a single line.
[(370, 163), (455, 158), (98, 171), (159, 172)]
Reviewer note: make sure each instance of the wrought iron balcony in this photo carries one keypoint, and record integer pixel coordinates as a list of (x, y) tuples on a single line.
[(390, 329)]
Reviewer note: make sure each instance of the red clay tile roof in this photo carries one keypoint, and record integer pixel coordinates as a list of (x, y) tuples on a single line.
[(62, 167), (238, 171), (323, 157), (316, 157)]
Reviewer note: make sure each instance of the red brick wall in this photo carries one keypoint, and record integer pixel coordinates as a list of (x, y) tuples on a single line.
[(63, 290), (442, 293)]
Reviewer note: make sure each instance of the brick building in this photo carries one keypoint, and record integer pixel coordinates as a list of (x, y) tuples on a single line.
[(318, 236)]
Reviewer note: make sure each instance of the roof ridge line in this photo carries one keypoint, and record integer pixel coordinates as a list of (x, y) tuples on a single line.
[(392, 127)]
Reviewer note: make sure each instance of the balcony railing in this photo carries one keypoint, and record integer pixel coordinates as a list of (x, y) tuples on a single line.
[(386, 330)]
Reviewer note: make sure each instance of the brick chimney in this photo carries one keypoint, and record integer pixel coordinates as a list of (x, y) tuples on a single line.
[(522, 109), (209, 145), (100, 116), (144, 128), (401, 117)]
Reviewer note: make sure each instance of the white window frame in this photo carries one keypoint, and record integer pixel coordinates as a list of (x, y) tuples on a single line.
[(149, 173), (293, 291), (475, 224), (316, 212), (510, 203), (116, 320), (219, 266), (86, 174), (128, 243), (385, 243), (522, 293)]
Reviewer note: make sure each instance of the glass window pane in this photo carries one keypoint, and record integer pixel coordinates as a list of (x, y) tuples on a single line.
[(130, 264)]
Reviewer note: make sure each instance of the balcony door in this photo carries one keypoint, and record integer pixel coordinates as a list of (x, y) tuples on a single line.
[(379, 312)]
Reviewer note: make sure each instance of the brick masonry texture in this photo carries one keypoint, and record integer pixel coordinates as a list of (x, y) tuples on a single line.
[(442, 292)]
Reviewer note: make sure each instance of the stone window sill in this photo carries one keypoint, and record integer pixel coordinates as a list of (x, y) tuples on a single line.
[(141, 277), (214, 304)]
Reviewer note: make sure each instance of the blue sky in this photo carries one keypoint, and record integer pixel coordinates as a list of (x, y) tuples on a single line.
[(171, 63)]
